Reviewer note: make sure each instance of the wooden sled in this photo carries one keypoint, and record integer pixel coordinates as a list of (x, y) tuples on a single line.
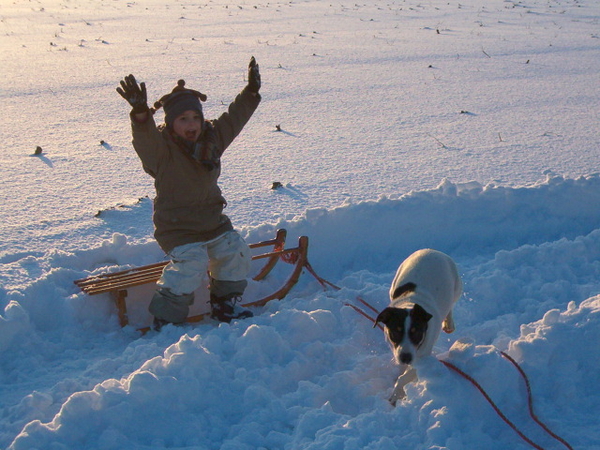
[(118, 284)]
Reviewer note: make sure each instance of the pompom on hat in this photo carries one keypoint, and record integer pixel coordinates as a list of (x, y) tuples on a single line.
[(178, 101)]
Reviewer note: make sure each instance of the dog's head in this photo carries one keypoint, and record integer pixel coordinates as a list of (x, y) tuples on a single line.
[(405, 330)]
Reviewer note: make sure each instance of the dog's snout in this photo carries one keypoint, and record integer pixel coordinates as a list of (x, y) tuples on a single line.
[(405, 358)]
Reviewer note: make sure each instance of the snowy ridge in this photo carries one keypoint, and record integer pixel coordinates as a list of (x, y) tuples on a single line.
[(308, 372), (462, 219)]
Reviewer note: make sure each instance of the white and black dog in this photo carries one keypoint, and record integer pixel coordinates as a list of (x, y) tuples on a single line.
[(422, 296)]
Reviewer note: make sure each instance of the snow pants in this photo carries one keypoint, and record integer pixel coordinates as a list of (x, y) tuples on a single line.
[(227, 259)]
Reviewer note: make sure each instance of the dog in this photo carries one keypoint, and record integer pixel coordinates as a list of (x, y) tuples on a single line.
[(422, 296)]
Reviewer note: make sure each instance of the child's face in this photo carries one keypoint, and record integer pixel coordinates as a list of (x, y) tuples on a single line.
[(188, 125)]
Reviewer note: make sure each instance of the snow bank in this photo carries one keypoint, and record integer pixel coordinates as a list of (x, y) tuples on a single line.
[(308, 372), (465, 220)]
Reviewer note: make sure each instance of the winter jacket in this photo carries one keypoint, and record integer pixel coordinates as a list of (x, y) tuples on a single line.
[(188, 206)]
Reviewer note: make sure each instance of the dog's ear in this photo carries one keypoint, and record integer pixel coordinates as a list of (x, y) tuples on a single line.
[(406, 288), (385, 316), (418, 313)]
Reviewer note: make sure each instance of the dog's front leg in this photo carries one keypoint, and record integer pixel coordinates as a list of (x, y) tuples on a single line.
[(448, 323), (409, 375)]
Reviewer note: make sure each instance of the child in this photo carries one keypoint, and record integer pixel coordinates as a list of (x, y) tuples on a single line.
[(183, 157)]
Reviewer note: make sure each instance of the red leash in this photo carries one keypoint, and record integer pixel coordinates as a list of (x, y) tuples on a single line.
[(484, 393), (530, 402)]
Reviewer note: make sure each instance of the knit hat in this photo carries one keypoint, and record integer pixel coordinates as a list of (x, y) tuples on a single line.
[(179, 101)]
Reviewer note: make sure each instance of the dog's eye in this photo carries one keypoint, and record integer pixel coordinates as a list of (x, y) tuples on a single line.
[(396, 335), (416, 334)]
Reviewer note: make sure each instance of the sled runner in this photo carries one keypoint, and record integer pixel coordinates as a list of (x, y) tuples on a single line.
[(140, 282)]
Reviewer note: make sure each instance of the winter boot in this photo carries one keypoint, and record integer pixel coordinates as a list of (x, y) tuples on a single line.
[(168, 307), (224, 309), (159, 323)]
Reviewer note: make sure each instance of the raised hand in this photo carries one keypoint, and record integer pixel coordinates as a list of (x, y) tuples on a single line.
[(134, 94), (253, 76)]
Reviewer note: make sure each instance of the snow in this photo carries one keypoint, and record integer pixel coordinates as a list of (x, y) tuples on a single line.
[(470, 127)]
